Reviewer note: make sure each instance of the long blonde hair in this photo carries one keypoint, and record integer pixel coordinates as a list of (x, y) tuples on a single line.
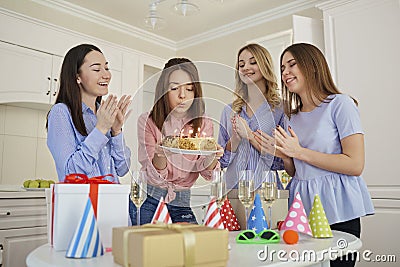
[(264, 62)]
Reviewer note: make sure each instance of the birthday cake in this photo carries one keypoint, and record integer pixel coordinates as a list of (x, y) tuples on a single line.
[(190, 143)]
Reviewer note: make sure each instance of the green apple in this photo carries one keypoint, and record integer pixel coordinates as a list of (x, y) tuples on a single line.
[(44, 184), (26, 183), (34, 184)]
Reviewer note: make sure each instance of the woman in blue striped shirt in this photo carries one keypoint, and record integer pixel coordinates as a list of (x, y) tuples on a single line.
[(84, 131), (257, 106)]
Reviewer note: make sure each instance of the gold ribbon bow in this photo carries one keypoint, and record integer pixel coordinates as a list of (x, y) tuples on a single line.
[(189, 240)]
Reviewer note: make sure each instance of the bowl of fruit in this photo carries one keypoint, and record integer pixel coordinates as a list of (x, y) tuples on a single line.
[(37, 184)]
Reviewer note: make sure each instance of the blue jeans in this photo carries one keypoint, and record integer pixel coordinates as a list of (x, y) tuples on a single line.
[(179, 209)]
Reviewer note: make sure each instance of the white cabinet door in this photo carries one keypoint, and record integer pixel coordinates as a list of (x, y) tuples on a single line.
[(55, 77), (27, 75)]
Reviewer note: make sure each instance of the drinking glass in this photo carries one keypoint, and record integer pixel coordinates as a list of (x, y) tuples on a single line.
[(269, 192), (246, 190), (138, 191), (218, 187)]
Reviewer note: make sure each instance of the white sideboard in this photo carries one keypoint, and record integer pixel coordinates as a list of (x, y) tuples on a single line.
[(23, 225)]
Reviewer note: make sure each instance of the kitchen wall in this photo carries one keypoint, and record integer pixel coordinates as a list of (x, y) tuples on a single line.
[(35, 150), (23, 150), (65, 20), (224, 49)]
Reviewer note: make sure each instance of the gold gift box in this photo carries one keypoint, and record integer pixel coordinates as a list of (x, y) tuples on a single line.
[(172, 245)]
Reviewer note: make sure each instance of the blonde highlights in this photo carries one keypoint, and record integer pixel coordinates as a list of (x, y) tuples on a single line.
[(264, 62)]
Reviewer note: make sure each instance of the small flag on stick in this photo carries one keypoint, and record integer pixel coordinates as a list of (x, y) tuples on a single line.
[(161, 214)]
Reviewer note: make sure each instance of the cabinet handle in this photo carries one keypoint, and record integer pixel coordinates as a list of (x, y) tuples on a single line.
[(55, 86), (5, 213), (49, 89)]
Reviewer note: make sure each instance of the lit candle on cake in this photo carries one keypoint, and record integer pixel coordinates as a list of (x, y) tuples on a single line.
[(181, 133), (204, 134), (190, 133), (175, 132)]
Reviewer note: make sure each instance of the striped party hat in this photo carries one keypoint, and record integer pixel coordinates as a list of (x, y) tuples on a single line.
[(213, 217), (86, 242), (161, 214)]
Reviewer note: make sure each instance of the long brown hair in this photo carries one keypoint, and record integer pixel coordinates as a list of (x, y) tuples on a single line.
[(161, 108), (70, 92), (264, 62), (318, 79)]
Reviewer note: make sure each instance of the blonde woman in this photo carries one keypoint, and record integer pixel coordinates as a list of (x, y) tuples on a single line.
[(257, 106)]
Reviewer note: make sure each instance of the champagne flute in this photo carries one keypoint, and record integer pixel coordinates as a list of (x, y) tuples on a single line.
[(246, 190), (138, 191), (218, 187), (269, 192)]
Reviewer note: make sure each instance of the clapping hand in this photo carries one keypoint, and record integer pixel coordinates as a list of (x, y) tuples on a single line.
[(122, 114), (241, 128), (287, 144), (106, 114)]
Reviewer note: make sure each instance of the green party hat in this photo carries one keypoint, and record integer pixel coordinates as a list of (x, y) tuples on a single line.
[(318, 221)]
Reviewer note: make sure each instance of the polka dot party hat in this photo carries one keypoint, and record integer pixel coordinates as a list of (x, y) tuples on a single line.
[(318, 221), (297, 219), (228, 216)]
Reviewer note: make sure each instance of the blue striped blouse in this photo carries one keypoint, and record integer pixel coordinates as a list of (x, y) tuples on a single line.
[(95, 154), (246, 156)]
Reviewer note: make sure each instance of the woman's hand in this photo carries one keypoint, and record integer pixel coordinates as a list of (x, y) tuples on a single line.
[(270, 145), (287, 144), (241, 128), (160, 157), (267, 144), (106, 114), (122, 114), (212, 160)]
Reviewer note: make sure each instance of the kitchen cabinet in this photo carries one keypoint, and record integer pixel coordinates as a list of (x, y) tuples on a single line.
[(28, 75), (23, 225), (30, 70)]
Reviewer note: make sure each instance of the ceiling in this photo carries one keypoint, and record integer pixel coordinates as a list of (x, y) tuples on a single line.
[(214, 15)]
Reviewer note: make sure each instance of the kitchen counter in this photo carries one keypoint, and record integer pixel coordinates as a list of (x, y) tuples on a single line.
[(239, 254)]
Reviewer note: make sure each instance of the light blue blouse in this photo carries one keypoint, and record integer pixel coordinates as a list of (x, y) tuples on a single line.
[(343, 197), (94, 155), (246, 156)]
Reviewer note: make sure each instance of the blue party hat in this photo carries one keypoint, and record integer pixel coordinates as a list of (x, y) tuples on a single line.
[(256, 220), (86, 242)]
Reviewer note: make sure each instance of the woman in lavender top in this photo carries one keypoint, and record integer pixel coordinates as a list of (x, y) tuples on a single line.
[(324, 147)]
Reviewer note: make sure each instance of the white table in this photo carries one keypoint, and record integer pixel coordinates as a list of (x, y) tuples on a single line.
[(239, 254)]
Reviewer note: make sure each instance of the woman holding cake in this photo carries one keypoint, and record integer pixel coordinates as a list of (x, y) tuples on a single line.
[(257, 106), (324, 147), (84, 131), (178, 111)]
